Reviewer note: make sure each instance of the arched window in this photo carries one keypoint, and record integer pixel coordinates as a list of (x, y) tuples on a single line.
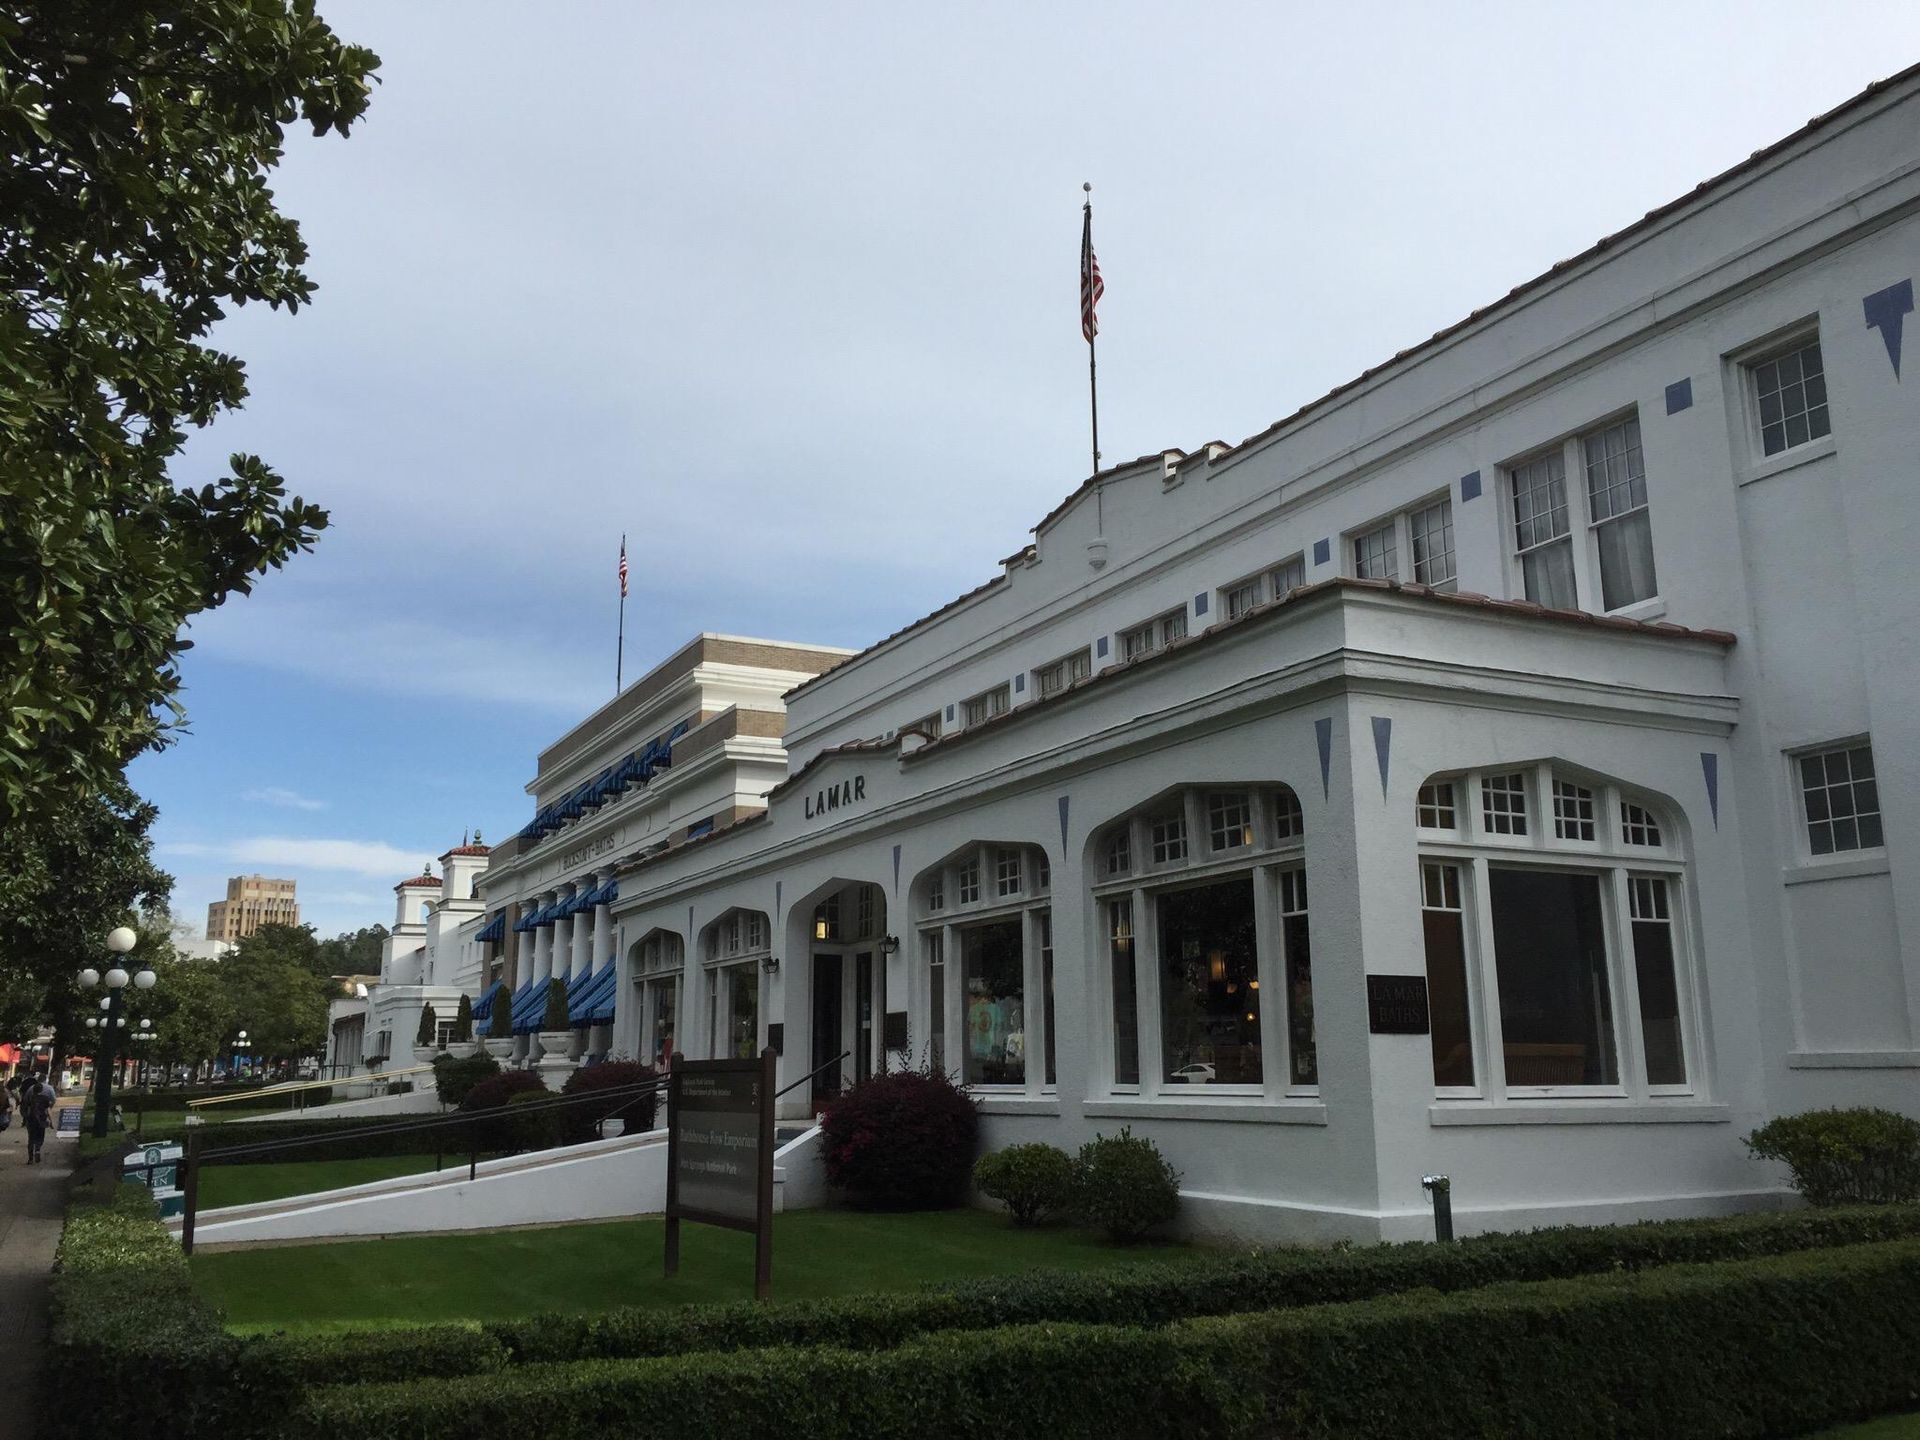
[(985, 921), (737, 947), (1556, 936), (1202, 901)]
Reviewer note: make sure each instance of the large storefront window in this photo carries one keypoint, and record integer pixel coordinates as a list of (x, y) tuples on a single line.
[(1558, 946), (993, 963), (736, 947), (1209, 979), (1209, 886)]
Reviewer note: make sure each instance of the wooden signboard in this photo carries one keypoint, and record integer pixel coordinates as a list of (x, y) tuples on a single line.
[(720, 1153)]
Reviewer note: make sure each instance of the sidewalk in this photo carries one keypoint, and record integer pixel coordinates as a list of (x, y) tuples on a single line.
[(31, 1198)]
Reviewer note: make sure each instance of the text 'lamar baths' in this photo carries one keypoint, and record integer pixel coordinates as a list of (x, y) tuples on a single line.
[(834, 796)]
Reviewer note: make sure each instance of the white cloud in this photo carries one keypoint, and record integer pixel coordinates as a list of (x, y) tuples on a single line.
[(356, 857), (283, 798)]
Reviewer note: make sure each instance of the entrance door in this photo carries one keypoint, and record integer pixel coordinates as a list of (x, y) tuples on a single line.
[(826, 1028), (863, 1012)]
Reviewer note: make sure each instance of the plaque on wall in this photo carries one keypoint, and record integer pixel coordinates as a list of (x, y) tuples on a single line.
[(776, 1038), (1397, 1004)]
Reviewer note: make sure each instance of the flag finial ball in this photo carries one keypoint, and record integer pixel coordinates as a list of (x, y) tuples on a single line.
[(1087, 185)]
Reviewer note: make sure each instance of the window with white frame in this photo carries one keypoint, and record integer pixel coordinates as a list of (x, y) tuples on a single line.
[(737, 949), (1156, 634), (927, 725), (1240, 597), (937, 891), (1839, 798), (1423, 532), (1286, 577), (988, 704), (1556, 958), (1789, 394), (1376, 553), (1050, 680), (1433, 807), (990, 966), (1196, 944), (863, 912), (1594, 539), (1118, 854), (1503, 802)]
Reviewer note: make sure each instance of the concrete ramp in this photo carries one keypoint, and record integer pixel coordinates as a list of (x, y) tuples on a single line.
[(601, 1180)]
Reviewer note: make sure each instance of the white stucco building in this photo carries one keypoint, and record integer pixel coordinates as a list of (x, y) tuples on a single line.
[(1507, 766)]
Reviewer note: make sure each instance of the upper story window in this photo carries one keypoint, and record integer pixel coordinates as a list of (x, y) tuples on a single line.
[(967, 881), (988, 704), (1050, 680), (1207, 971), (1006, 873), (1840, 799), (1156, 634), (937, 891), (1556, 956), (1503, 799), (736, 934), (1424, 532), (1615, 559), (661, 950), (1286, 577), (1119, 853), (927, 725), (1240, 597), (863, 912), (1790, 397), (1434, 806)]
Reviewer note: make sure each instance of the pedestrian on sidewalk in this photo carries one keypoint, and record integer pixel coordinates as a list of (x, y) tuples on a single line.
[(36, 1104)]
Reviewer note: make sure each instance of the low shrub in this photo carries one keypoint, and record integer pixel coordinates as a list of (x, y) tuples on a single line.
[(902, 1140), (1862, 1155), (1748, 1348), (532, 1121), (491, 1132), (455, 1078), (1032, 1181), (582, 1122), (1124, 1187)]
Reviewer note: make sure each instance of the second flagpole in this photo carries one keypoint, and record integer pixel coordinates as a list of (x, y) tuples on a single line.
[(1088, 280), (620, 642)]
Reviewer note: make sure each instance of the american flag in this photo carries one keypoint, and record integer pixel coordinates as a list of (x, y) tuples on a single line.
[(623, 567), (1091, 288)]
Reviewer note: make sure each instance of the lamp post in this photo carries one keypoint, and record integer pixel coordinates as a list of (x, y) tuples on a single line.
[(120, 940), (240, 1043)]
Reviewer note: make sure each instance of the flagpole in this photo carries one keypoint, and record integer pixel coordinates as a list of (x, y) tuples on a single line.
[(620, 644), (1093, 381)]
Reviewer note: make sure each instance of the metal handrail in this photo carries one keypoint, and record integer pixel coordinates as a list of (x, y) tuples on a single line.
[(811, 1073), (293, 1087)]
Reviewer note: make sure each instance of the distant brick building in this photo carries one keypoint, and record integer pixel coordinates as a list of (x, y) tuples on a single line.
[(252, 901)]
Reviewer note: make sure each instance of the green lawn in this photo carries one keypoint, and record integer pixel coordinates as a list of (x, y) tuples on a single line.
[(247, 1184), (1890, 1427), (585, 1268)]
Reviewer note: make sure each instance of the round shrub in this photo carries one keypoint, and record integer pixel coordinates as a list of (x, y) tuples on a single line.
[(492, 1132), (1863, 1155), (1032, 1181), (1124, 1186), (532, 1129), (581, 1122), (901, 1141), (455, 1078)]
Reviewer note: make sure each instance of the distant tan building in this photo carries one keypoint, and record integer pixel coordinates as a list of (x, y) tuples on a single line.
[(252, 901)]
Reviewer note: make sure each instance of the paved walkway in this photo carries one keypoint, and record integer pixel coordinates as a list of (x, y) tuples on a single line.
[(31, 1198)]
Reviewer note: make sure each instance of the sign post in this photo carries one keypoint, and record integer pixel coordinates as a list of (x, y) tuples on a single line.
[(720, 1154)]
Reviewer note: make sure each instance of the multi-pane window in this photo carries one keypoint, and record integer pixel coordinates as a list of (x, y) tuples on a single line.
[(1655, 977), (1295, 940), (1288, 822), (1168, 834), (1572, 811), (826, 918), (1503, 804), (863, 912), (1126, 1005), (1042, 871), (1433, 807), (1443, 921), (1172, 626), (1376, 554), (1790, 394), (1006, 872), (967, 881), (1287, 576), (1637, 825), (988, 704), (1051, 679), (936, 1001), (1841, 800), (1154, 635), (1236, 600), (927, 725), (1541, 534), (937, 891), (1120, 852), (1229, 820), (1617, 510), (1431, 532)]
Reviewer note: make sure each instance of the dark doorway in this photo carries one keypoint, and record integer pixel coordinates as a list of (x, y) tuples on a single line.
[(863, 1009), (826, 1028)]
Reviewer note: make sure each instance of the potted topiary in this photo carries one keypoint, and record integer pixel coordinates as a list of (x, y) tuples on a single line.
[(556, 1036), (500, 1026), (461, 1045), (424, 1046)]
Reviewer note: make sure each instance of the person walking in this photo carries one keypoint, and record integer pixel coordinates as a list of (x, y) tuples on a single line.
[(36, 1105)]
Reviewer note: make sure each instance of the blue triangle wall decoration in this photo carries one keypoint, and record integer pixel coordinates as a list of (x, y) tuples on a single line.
[(1323, 736), (1710, 771), (1886, 311), (1063, 827), (1382, 747)]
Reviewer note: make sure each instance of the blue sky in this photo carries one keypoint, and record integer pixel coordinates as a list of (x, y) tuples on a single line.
[(788, 294)]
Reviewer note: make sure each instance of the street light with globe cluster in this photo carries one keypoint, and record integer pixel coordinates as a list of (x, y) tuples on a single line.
[(119, 940)]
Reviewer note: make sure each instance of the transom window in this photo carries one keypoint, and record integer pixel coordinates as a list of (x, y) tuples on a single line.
[(1050, 680), (1434, 806), (1006, 872), (1503, 800), (937, 891), (662, 950), (1558, 964), (1790, 398), (988, 704), (1193, 949), (738, 932), (967, 876), (1119, 853), (1840, 799)]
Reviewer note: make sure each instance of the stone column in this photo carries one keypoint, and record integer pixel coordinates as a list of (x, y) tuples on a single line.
[(583, 934)]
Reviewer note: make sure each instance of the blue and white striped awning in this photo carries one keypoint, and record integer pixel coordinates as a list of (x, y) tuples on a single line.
[(595, 1004), (483, 1007), (494, 931)]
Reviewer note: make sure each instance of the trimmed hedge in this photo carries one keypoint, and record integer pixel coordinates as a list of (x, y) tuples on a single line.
[(1862, 1155), (1743, 1348)]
